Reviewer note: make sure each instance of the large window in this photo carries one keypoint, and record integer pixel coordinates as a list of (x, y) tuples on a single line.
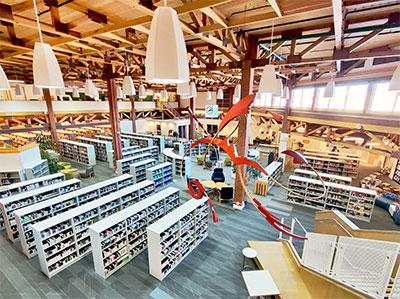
[(356, 96), (384, 100), (320, 101), (262, 100), (302, 98)]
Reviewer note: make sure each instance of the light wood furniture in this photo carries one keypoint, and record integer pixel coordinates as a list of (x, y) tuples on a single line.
[(265, 183), (260, 283)]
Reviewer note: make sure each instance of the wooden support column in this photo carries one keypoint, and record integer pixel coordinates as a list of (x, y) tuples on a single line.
[(113, 104), (192, 130), (133, 113), (244, 121), (178, 100), (50, 113), (286, 113)]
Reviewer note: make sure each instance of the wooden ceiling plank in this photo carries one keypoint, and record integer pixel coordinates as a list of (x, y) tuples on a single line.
[(275, 6), (363, 40), (315, 44), (215, 15), (339, 22), (275, 48)]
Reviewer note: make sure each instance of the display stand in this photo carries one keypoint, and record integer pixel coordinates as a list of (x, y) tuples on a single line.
[(170, 156), (354, 202), (78, 152), (9, 204), (160, 174), (124, 142), (101, 147), (37, 170), (337, 179), (264, 184), (123, 166), (138, 170), (332, 165), (175, 235), (122, 236), (64, 239), (27, 216), (136, 140)]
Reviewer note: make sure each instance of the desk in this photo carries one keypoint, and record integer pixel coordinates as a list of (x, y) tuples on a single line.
[(260, 283), (214, 185)]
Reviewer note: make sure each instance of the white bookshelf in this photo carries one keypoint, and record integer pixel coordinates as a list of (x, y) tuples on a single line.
[(9, 177), (124, 151), (158, 141), (326, 177), (119, 238), (312, 152), (9, 204), (137, 140), (101, 147), (37, 170), (131, 153), (346, 166), (175, 235), (76, 151), (64, 239), (124, 142), (176, 160), (274, 170), (30, 215), (352, 201), (160, 174), (138, 170), (124, 164)]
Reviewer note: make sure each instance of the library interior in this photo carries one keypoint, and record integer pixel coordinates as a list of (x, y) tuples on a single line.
[(183, 149)]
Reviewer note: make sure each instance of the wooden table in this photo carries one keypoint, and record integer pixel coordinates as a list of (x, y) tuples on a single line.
[(260, 283), (214, 185)]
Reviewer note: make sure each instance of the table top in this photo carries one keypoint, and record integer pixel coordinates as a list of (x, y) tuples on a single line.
[(213, 185), (249, 252), (259, 283)]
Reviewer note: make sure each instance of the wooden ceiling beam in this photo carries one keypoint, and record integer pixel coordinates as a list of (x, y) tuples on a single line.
[(315, 44), (363, 40), (339, 17), (215, 15), (275, 6)]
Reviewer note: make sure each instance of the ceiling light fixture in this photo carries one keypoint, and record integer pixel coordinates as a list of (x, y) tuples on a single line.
[(209, 95), (395, 82), (4, 85), (220, 94), (237, 93), (37, 91), (193, 90), (164, 94), (18, 91), (119, 93), (330, 89), (142, 92), (75, 92)]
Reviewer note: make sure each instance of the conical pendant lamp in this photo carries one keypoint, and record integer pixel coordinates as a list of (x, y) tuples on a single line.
[(268, 80), (329, 90), (96, 93), (236, 94), (37, 91), (128, 88), (119, 93), (209, 96), (286, 93), (164, 94), (18, 91), (142, 92), (90, 89), (60, 92), (4, 85), (183, 88), (220, 94), (395, 82), (166, 55), (75, 92), (278, 88), (193, 90)]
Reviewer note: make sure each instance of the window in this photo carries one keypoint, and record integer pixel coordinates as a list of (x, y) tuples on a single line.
[(337, 102), (383, 99), (320, 101), (278, 102), (296, 100), (262, 100), (356, 96), (307, 99)]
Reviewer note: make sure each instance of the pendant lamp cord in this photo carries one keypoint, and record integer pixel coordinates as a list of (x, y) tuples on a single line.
[(272, 37), (37, 20), (126, 63), (87, 68), (165, 2)]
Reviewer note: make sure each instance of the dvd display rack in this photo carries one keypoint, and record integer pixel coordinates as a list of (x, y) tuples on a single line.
[(136, 140), (101, 147), (138, 170), (9, 177), (274, 170), (30, 215), (78, 152), (119, 238), (124, 142), (64, 239), (326, 177), (160, 174), (37, 170), (340, 166), (176, 160), (124, 151), (9, 204), (158, 141), (174, 236), (352, 201), (124, 164)]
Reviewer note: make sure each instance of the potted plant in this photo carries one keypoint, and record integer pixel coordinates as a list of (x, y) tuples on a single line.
[(48, 151)]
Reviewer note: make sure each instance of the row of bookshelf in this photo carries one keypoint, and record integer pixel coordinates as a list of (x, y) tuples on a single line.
[(136, 140), (123, 166), (337, 179), (274, 169), (128, 154), (77, 151), (158, 141), (101, 147), (37, 170), (160, 174), (8, 177), (176, 161), (124, 150), (138, 170), (124, 142), (333, 166)]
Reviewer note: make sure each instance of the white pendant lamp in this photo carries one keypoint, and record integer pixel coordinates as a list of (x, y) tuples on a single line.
[(268, 80), (209, 96), (119, 93), (155, 96), (286, 93), (60, 92), (236, 94), (166, 55), (220, 94), (183, 88), (4, 85), (96, 93), (193, 90), (329, 90), (46, 71), (37, 91), (395, 82), (128, 87), (278, 88), (18, 91), (164, 94), (75, 92), (90, 89), (142, 92)]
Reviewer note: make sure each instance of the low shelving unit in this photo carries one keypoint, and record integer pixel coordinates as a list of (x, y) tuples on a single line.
[(317, 153), (8, 177), (124, 142), (37, 170), (136, 140), (9, 204), (122, 236), (158, 141), (138, 170), (352, 201), (101, 147), (124, 151), (64, 239), (174, 236), (78, 152), (332, 178), (136, 152), (30, 215), (346, 166), (176, 160), (160, 174), (124, 164)]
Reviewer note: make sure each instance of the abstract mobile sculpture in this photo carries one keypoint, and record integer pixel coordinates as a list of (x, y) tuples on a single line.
[(196, 189)]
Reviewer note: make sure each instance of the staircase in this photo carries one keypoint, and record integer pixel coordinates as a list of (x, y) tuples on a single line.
[(167, 107)]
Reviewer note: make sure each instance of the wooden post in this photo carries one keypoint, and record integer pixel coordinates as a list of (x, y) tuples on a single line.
[(178, 99), (286, 113), (50, 113), (133, 113), (113, 104), (244, 122), (192, 132)]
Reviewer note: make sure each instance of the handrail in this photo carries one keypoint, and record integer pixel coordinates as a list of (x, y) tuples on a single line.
[(338, 223)]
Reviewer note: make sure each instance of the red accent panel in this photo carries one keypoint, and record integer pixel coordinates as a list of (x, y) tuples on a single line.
[(199, 187), (298, 158)]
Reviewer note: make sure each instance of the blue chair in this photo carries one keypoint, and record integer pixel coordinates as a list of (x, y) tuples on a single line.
[(218, 175)]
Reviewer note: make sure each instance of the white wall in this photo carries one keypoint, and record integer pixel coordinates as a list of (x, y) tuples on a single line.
[(15, 161)]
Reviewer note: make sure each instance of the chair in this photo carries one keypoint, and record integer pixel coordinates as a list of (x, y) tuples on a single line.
[(218, 175), (64, 165), (88, 173), (200, 160), (213, 156), (208, 165), (228, 161), (225, 193)]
